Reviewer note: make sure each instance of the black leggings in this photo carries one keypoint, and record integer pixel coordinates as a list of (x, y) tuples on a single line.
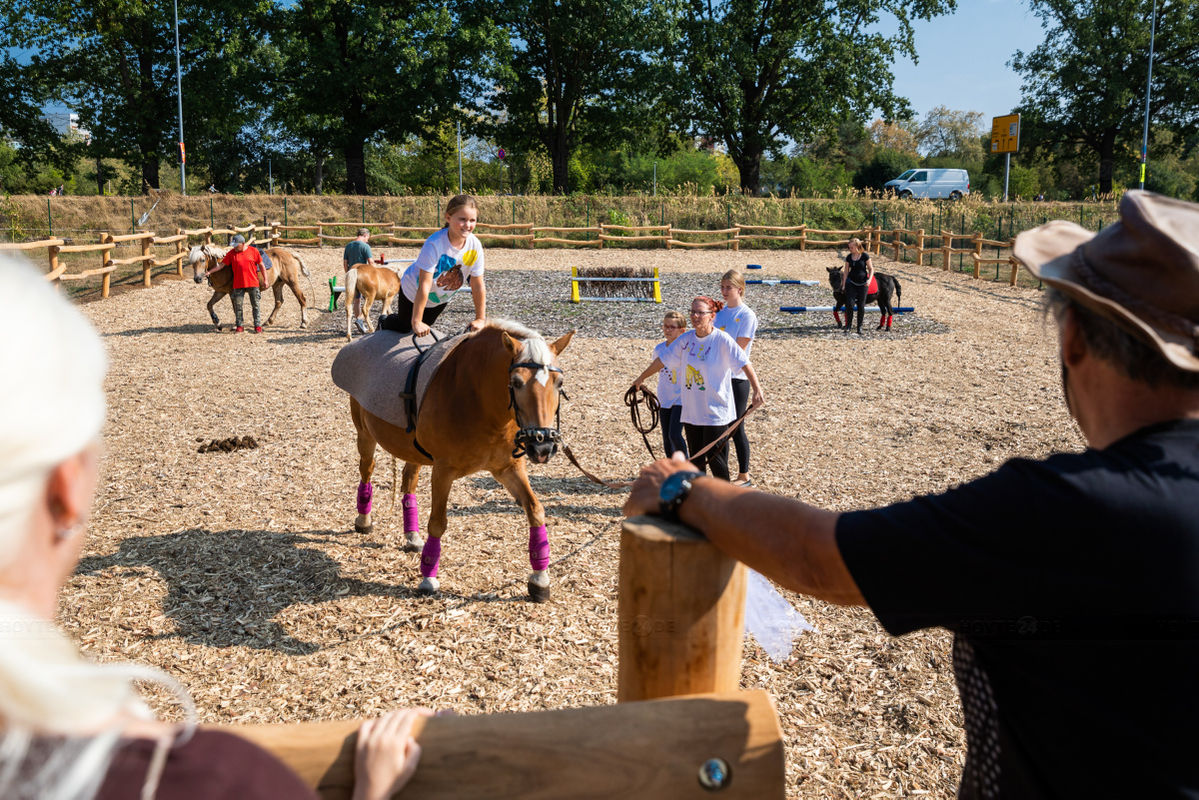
[(854, 294), (671, 420), (717, 459), (402, 320), (739, 437)]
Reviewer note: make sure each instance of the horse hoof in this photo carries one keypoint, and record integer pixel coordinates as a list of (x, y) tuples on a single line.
[(538, 594), (429, 586), (413, 542), (363, 525)]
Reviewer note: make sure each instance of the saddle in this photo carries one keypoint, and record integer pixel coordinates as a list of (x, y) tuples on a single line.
[(388, 373)]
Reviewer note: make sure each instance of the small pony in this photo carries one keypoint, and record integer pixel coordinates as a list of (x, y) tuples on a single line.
[(880, 289), (493, 400), (286, 270), (371, 282)]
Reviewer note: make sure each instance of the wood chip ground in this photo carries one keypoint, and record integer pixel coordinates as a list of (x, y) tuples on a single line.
[(239, 572)]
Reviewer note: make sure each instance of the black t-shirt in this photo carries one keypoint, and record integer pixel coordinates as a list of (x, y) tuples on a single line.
[(1072, 588), (857, 269)]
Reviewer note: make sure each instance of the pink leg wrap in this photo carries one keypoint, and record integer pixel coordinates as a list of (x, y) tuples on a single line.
[(430, 556), (539, 548), (365, 490), (411, 514)]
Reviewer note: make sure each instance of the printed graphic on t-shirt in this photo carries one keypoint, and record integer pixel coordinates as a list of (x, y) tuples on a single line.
[(695, 379), (444, 265), (699, 350)]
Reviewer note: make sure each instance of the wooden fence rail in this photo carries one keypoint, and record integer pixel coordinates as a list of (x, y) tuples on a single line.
[(518, 234)]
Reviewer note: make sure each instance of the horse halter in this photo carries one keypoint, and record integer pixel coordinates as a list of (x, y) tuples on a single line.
[(527, 436)]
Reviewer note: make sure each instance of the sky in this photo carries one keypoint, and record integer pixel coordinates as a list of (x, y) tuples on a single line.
[(963, 58)]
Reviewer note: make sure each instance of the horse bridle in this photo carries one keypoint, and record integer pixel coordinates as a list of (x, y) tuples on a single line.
[(527, 436)]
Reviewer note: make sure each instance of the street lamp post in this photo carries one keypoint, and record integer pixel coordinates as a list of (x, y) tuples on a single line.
[(1148, 90), (179, 92)]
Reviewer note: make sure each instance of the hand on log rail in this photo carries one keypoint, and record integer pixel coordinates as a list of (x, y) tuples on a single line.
[(634, 751)]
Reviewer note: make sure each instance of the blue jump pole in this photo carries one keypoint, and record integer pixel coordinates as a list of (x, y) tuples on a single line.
[(773, 282), (805, 309)]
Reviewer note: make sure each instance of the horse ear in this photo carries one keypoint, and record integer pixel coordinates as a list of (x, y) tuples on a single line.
[(510, 343), (560, 345), (833, 269)]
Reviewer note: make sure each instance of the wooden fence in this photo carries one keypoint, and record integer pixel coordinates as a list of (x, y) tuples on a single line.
[(899, 241)]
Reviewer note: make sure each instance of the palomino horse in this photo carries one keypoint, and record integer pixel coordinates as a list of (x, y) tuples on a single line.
[(372, 282), (493, 400), (286, 270)]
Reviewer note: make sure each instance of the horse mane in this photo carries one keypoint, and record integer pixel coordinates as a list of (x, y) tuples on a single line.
[(202, 251), (533, 347)]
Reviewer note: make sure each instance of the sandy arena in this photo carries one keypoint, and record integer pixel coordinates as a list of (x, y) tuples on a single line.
[(239, 572)]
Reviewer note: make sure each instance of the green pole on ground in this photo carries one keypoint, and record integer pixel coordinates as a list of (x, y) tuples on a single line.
[(284, 211), (49, 219)]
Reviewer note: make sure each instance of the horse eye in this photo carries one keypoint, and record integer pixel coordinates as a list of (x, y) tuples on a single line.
[(516, 382)]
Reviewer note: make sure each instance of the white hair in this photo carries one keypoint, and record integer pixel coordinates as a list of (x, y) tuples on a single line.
[(62, 714)]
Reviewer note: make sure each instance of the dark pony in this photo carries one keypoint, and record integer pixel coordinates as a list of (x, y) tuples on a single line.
[(886, 285)]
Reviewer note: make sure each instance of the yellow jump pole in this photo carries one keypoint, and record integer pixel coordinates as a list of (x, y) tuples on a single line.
[(574, 285)]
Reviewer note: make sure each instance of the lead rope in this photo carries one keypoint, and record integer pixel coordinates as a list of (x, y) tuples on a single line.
[(634, 398), (727, 433)]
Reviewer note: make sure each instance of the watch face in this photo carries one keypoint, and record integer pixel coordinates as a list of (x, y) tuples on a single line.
[(674, 491)]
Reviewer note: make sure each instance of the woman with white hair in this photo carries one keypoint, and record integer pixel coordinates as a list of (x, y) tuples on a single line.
[(70, 728)]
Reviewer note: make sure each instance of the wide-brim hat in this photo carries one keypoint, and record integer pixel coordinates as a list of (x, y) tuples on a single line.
[(1141, 272)]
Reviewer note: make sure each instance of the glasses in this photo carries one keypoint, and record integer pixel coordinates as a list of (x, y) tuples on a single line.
[(695, 313), (668, 327)]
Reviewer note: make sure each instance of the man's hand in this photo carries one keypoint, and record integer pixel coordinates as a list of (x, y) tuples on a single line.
[(643, 498), (450, 280), (386, 755)]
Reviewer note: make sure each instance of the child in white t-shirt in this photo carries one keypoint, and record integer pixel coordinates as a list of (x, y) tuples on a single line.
[(739, 321), (670, 387), (448, 258)]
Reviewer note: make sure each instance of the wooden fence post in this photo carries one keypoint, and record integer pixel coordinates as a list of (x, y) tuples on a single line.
[(803, 238), (946, 244), (105, 258), (146, 264), (668, 235), (180, 246), (920, 247), (978, 252), (1015, 266), (895, 242), (52, 255), (681, 613), (208, 236)]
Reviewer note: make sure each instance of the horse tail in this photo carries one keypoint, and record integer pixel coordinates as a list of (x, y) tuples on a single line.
[(351, 287), (898, 291), (303, 266)]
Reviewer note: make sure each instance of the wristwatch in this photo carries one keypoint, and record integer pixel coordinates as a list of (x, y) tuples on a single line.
[(674, 491)]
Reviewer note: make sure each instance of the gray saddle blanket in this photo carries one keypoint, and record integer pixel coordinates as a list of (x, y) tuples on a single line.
[(374, 370)]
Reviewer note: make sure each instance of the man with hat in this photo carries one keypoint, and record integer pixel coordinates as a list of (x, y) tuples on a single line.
[(1071, 584), (246, 263)]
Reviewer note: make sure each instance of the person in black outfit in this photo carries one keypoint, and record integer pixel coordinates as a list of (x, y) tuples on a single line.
[(1068, 582), (855, 279)]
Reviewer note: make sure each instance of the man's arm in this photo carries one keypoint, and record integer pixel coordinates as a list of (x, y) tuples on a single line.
[(792, 543)]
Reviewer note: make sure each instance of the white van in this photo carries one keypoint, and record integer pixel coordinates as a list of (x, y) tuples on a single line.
[(932, 183)]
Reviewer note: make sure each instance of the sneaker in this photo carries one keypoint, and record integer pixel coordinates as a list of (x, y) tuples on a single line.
[(257, 329), (239, 329)]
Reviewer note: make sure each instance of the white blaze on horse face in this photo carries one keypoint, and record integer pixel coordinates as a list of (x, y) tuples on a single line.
[(542, 376)]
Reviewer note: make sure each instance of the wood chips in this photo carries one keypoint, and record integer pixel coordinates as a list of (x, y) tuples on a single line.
[(239, 572)]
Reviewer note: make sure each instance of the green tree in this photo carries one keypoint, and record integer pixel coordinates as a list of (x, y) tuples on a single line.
[(113, 63), (946, 133), (359, 69), (753, 74), (575, 72), (1084, 87), (22, 93)]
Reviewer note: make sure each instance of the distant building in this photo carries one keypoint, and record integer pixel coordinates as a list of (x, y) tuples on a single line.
[(66, 123)]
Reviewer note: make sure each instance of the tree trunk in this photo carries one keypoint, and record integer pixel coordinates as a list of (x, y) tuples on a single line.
[(355, 151), (1107, 160), (149, 170), (560, 160), (749, 166), (318, 174)]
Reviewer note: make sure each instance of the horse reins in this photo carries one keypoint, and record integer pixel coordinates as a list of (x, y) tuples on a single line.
[(634, 398)]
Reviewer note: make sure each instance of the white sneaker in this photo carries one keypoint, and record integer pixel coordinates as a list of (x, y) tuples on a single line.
[(361, 325)]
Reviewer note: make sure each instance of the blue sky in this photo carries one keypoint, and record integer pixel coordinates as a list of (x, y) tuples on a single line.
[(963, 58)]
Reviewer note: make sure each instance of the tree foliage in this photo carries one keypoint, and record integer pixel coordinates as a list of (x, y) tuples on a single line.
[(1084, 87), (753, 74), (948, 133)]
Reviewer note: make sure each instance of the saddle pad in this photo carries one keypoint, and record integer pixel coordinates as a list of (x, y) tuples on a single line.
[(374, 370), (873, 287)]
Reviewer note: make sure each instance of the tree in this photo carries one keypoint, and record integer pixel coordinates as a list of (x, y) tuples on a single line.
[(1085, 85), (113, 63), (367, 68), (21, 122), (754, 73), (945, 133), (575, 72), (894, 136)]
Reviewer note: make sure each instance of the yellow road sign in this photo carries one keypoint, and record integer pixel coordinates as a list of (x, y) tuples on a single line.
[(1005, 134)]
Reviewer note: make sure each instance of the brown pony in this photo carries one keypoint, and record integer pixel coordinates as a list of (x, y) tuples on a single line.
[(493, 400), (371, 282), (286, 270)]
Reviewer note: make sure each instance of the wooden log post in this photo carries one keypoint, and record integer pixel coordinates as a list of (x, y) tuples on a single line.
[(946, 245), (878, 240), (803, 238), (920, 247), (147, 264), (180, 246), (1015, 266), (208, 236), (52, 257), (978, 252), (634, 751), (105, 260), (895, 242), (681, 613), (669, 234)]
